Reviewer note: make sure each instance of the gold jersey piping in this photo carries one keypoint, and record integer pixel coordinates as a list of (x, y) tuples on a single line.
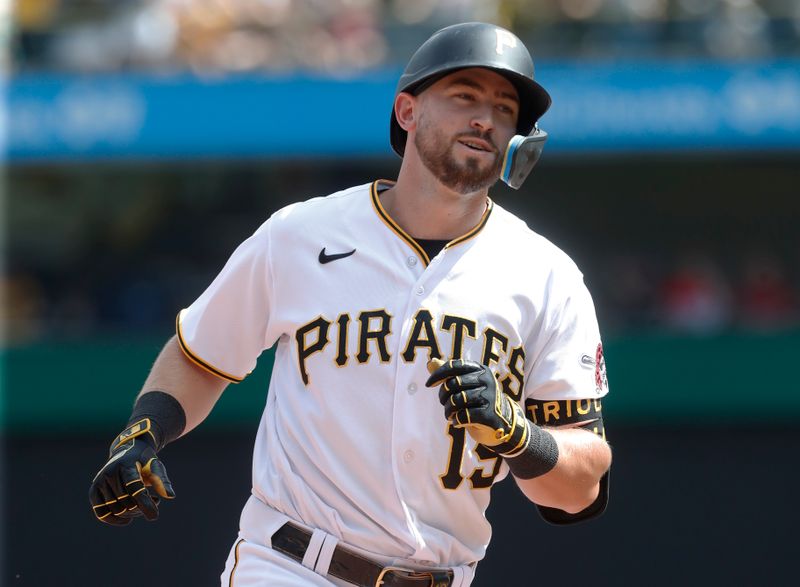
[(394, 227)]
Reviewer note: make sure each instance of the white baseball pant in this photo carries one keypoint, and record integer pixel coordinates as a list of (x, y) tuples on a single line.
[(253, 563)]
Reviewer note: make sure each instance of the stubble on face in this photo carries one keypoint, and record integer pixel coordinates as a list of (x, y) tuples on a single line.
[(436, 153)]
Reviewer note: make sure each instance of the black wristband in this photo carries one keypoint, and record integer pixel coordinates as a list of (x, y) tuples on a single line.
[(539, 457), (167, 418)]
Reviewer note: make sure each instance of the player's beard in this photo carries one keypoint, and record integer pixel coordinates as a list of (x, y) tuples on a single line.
[(436, 153)]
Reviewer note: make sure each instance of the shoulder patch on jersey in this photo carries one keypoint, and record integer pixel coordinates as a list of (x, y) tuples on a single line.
[(600, 375)]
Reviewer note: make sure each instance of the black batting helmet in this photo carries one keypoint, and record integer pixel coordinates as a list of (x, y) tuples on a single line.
[(473, 44)]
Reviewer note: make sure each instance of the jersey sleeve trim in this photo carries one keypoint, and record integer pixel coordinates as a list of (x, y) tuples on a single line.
[(205, 366)]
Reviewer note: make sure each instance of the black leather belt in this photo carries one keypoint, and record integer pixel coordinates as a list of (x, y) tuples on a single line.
[(350, 566)]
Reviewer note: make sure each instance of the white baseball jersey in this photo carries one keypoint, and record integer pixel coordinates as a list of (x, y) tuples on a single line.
[(351, 441)]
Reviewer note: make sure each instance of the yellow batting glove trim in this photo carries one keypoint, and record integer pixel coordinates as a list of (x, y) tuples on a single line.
[(154, 480), (521, 445), (136, 429), (434, 364)]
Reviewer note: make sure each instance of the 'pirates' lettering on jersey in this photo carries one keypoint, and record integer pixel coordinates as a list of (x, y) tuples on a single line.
[(375, 327)]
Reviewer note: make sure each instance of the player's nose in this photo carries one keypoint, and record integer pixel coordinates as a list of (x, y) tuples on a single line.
[(483, 119)]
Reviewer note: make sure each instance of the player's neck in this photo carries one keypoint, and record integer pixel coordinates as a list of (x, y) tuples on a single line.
[(426, 209)]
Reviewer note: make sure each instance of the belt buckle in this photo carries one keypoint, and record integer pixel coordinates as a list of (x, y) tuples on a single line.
[(384, 570), (438, 578)]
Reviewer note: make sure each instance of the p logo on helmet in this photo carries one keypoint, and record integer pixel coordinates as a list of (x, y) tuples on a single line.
[(504, 39)]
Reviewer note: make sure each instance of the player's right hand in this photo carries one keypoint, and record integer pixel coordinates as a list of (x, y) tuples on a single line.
[(474, 400), (131, 481)]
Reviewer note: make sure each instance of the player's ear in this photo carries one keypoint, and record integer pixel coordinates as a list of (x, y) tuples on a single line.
[(405, 110)]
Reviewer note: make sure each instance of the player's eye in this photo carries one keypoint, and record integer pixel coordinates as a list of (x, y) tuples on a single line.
[(505, 109)]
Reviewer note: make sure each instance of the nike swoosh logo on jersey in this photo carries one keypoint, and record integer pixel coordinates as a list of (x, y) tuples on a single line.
[(323, 258), (587, 360)]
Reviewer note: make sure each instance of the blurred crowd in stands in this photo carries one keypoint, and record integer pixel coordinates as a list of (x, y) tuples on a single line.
[(689, 294), (91, 270), (217, 36), (696, 293)]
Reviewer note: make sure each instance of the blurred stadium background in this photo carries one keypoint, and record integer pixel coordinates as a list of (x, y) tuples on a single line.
[(143, 140)]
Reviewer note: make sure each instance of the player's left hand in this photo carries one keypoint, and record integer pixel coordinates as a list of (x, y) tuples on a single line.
[(473, 399)]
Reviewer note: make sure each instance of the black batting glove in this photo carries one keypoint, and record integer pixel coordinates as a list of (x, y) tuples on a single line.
[(472, 399), (130, 483)]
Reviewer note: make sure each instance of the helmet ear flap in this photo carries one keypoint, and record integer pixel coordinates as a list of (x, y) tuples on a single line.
[(521, 156)]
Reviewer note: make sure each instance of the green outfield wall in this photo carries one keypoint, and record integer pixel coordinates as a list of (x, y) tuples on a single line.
[(654, 379)]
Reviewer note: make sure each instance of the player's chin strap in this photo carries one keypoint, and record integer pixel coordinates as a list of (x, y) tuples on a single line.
[(522, 154)]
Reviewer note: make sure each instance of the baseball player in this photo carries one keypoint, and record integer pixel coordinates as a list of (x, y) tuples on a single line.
[(427, 343)]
